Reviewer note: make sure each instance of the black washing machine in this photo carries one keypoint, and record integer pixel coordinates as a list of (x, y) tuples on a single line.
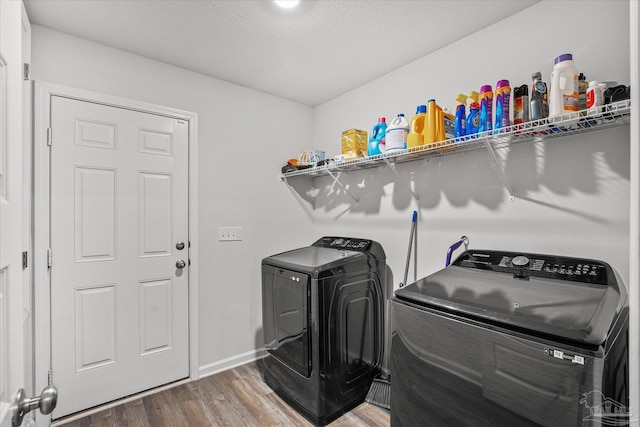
[(509, 339), (323, 323)]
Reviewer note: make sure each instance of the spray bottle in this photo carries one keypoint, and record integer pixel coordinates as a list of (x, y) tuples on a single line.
[(460, 120)]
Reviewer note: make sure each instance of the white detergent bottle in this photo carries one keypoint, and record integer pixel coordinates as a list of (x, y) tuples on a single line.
[(396, 135), (563, 93)]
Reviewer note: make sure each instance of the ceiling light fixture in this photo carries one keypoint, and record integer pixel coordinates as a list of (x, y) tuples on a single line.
[(287, 4)]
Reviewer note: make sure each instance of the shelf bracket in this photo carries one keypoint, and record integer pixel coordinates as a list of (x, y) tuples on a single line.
[(337, 180), (402, 181), (492, 152), (299, 199)]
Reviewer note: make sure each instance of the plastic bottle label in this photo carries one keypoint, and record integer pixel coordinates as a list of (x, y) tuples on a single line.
[(396, 139)]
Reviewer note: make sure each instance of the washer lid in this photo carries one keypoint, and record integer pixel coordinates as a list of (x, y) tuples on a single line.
[(524, 295), (312, 258)]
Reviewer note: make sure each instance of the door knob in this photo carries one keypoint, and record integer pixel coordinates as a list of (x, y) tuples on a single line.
[(180, 246), (180, 264), (46, 402)]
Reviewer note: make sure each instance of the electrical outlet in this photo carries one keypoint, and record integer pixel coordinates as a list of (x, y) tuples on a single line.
[(226, 234)]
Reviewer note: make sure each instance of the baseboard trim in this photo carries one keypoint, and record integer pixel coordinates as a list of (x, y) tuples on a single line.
[(231, 362)]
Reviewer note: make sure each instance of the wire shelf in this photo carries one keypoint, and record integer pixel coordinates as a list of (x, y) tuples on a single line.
[(608, 116)]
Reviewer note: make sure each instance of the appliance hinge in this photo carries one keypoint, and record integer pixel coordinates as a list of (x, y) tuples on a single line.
[(26, 70), (49, 132), (49, 257), (25, 257), (50, 377)]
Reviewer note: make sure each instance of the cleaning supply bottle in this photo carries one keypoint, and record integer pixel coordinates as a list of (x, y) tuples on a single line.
[(415, 137), (582, 93), (595, 96), (460, 121), (376, 138), (503, 96), (539, 98), (520, 104), (563, 93), (396, 134), (473, 118), (434, 129), (485, 99), (449, 124)]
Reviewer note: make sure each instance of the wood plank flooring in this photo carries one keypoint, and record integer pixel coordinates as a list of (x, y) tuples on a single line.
[(237, 397)]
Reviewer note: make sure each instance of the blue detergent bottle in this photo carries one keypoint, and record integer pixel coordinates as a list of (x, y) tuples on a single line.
[(473, 120), (460, 122), (376, 138)]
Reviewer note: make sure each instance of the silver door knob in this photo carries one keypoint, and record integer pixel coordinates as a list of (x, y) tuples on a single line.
[(180, 264), (180, 246), (46, 402)]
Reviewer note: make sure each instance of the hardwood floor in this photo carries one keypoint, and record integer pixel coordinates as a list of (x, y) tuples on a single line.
[(237, 397)]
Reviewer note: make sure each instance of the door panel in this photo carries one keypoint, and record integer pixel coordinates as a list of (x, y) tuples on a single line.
[(119, 204), (14, 312)]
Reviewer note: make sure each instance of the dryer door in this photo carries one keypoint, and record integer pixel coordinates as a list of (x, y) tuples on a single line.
[(285, 311)]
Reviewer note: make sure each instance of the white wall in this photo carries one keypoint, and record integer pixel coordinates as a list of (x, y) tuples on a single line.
[(572, 194), (244, 138)]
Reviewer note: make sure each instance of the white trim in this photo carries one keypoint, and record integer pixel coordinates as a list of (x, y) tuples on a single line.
[(43, 92), (634, 217), (231, 362)]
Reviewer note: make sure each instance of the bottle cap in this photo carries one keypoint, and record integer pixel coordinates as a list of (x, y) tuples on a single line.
[(421, 109), (473, 96), (382, 120), (564, 57), (536, 76), (474, 104), (461, 98), (502, 83), (582, 77), (486, 88), (400, 115)]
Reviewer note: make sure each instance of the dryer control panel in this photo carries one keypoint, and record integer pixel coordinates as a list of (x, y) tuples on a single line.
[(348, 243), (524, 265)]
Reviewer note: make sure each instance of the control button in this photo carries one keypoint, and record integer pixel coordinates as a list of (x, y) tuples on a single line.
[(520, 261)]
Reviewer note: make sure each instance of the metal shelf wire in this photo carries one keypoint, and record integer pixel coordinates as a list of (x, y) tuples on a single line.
[(608, 116)]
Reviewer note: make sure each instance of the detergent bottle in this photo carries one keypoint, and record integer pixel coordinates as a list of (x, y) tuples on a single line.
[(396, 134), (564, 90), (485, 99), (376, 138), (503, 96), (415, 137), (460, 121), (473, 118), (434, 130)]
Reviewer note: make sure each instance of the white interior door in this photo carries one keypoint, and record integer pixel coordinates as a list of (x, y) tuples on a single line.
[(13, 312), (119, 208)]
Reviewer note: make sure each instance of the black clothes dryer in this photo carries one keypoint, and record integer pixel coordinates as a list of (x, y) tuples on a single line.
[(509, 339), (323, 323)]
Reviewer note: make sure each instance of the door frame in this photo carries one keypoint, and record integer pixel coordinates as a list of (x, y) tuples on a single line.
[(43, 92)]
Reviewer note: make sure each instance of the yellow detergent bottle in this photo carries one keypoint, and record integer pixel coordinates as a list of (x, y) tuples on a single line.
[(415, 137)]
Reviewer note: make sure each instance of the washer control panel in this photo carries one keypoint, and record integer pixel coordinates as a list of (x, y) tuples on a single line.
[(547, 266), (361, 245)]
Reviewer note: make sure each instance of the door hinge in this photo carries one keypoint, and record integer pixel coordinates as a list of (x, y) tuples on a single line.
[(25, 257), (27, 70), (49, 257), (49, 132)]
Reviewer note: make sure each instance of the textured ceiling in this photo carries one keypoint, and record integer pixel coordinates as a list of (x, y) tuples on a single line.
[(309, 54)]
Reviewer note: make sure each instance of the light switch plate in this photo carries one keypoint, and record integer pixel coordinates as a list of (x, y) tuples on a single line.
[(226, 234)]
